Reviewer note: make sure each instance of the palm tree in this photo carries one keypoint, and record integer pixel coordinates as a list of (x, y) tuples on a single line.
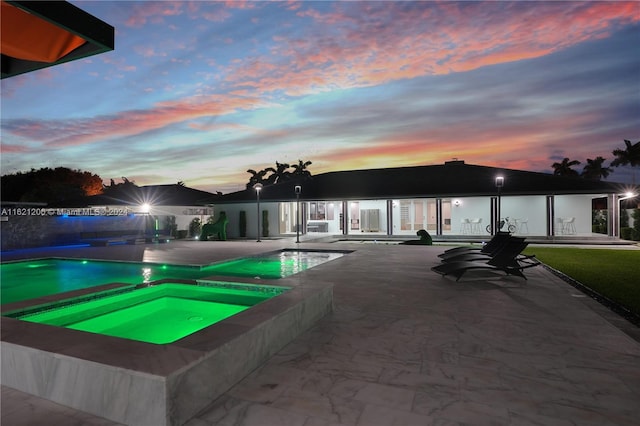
[(300, 169), (630, 155), (595, 170), (564, 168), (278, 174), (256, 177)]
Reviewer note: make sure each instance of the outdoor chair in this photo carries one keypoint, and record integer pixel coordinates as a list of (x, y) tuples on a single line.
[(465, 226), (494, 243), (507, 260), (503, 249), (568, 225), (523, 225)]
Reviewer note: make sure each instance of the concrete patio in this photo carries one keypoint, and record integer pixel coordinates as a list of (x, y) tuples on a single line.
[(405, 346)]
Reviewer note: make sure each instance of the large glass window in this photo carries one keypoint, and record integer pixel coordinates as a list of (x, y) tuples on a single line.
[(319, 210)]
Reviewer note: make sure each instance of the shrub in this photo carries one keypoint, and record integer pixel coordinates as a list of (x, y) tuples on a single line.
[(624, 218), (636, 224), (265, 223), (243, 223), (171, 226), (195, 227), (626, 233)]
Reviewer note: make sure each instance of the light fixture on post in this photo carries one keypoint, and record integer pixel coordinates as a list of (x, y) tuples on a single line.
[(298, 190), (626, 196), (499, 185), (258, 188)]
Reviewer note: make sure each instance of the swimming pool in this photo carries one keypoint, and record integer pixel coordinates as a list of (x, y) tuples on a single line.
[(25, 280), (158, 314)]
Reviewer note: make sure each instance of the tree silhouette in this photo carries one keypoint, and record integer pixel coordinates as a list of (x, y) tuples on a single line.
[(49, 185), (564, 168), (300, 169), (116, 189), (629, 156), (595, 170), (256, 177), (278, 174)]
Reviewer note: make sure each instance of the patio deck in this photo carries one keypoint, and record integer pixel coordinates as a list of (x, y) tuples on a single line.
[(405, 346)]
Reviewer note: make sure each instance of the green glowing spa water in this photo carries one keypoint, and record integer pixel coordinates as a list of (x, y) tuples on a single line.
[(30, 279), (157, 314)]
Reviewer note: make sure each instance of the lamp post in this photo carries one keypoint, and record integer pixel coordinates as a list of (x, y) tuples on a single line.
[(499, 185), (258, 188), (298, 189)]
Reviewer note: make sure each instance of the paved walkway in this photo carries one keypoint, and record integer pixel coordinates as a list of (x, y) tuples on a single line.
[(405, 346)]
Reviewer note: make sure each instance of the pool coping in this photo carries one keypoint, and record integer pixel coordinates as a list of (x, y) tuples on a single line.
[(137, 383)]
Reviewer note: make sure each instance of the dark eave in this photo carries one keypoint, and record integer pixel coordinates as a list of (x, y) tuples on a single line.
[(453, 179), (155, 195), (99, 35)]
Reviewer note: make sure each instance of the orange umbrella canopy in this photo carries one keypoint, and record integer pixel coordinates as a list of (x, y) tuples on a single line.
[(39, 34), (26, 36)]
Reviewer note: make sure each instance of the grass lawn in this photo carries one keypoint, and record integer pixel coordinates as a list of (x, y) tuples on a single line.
[(614, 274)]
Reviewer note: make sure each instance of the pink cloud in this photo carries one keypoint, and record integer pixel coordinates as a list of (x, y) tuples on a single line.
[(15, 149), (378, 42), (153, 11), (135, 122)]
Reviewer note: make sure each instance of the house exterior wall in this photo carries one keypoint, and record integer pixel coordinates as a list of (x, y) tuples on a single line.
[(183, 214), (573, 206), (527, 212), (233, 214)]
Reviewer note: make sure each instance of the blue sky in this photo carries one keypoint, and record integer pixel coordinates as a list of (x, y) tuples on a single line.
[(201, 91)]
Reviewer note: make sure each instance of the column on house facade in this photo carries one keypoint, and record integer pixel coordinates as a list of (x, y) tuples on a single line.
[(551, 216), (613, 215), (438, 216), (303, 218), (493, 215), (389, 217), (345, 217)]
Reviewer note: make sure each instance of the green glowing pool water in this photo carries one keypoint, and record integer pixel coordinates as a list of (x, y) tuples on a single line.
[(157, 314), (30, 279)]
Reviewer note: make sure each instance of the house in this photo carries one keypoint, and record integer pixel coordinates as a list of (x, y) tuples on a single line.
[(450, 199), (129, 214)]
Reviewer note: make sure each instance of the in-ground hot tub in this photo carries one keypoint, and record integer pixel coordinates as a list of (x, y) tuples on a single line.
[(141, 383), (160, 314)]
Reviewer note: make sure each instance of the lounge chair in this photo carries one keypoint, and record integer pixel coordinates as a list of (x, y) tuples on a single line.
[(494, 244), (508, 248), (508, 260)]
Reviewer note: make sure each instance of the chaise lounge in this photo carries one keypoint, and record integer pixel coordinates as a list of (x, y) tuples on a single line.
[(491, 247), (508, 259)]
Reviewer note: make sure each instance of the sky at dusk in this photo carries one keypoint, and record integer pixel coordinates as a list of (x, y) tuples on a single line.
[(199, 91)]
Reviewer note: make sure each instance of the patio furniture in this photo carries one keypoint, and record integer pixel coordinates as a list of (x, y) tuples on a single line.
[(522, 224), (507, 260), (465, 226), (494, 244), (476, 227), (569, 226), (502, 249)]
